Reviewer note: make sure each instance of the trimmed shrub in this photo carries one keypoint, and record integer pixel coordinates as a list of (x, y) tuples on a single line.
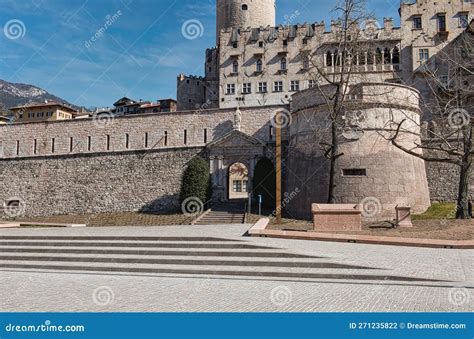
[(196, 180), (264, 182)]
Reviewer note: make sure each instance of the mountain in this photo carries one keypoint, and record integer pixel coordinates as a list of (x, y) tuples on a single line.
[(12, 95)]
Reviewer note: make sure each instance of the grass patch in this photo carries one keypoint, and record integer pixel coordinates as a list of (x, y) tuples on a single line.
[(437, 212)]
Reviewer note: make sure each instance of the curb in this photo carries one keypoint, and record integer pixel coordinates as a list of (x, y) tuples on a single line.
[(259, 230), (20, 224)]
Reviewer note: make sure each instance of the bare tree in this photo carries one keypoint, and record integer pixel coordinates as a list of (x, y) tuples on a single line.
[(333, 74), (449, 78)]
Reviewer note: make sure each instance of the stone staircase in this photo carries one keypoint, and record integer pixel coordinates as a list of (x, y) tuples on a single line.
[(174, 256), (224, 213)]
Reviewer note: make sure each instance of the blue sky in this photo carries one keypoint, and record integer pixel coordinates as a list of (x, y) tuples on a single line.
[(139, 52)]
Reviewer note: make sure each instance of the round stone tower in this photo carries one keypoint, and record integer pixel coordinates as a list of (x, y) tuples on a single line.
[(245, 13)]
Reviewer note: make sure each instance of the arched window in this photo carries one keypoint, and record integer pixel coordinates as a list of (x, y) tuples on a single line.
[(378, 56), (259, 65), (338, 58), (361, 58), (283, 64), (245, 7), (370, 57), (396, 56), (329, 59), (235, 67), (386, 55)]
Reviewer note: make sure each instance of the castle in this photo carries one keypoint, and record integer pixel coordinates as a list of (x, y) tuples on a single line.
[(133, 163)]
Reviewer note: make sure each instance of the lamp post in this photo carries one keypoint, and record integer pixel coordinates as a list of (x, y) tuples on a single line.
[(278, 120)]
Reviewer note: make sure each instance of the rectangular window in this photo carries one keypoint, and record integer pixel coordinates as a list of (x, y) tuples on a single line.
[(463, 20), (89, 143), (127, 141), (35, 146), (230, 89), (53, 145), (244, 185), (417, 23), (108, 142), (278, 86), (166, 138), (262, 87), (205, 135), (441, 23), (18, 147), (354, 172), (146, 139), (247, 89), (185, 137), (295, 86), (311, 83), (237, 186), (71, 144), (424, 55)]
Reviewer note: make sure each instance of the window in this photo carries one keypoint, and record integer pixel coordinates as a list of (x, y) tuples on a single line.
[(306, 62), (185, 137), (35, 146), (245, 7), (285, 43), (205, 135), (262, 87), (396, 56), (259, 65), (329, 59), (294, 85), (417, 23), (52, 145), (18, 147), (247, 89), (237, 186), (146, 139), (20, 116), (71, 144), (311, 83), (235, 67), (244, 185), (127, 141), (108, 143), (230, 89), (89, 143), (166, 138), (278, 86), (354, 172), (260, 44), (283, 64), (463, 20), (424, 55), (441, 23)]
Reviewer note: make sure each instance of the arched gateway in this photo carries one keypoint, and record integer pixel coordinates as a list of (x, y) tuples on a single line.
[(232, 159)]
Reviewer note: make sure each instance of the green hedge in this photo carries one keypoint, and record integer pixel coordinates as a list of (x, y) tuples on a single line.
[(196, 181)]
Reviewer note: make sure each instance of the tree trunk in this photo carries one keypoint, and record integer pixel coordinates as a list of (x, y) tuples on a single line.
[(333, 157), (462, 211)]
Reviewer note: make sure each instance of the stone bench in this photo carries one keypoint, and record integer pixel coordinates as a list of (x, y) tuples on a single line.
[(337, 217)]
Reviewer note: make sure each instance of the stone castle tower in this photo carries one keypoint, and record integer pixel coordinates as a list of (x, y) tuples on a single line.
[(245, 13)]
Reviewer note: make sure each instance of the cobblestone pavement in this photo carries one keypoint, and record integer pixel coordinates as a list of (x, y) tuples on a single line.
[(228, 273)]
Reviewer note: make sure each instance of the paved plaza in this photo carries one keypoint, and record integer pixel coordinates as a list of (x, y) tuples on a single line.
[(216, 269)]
